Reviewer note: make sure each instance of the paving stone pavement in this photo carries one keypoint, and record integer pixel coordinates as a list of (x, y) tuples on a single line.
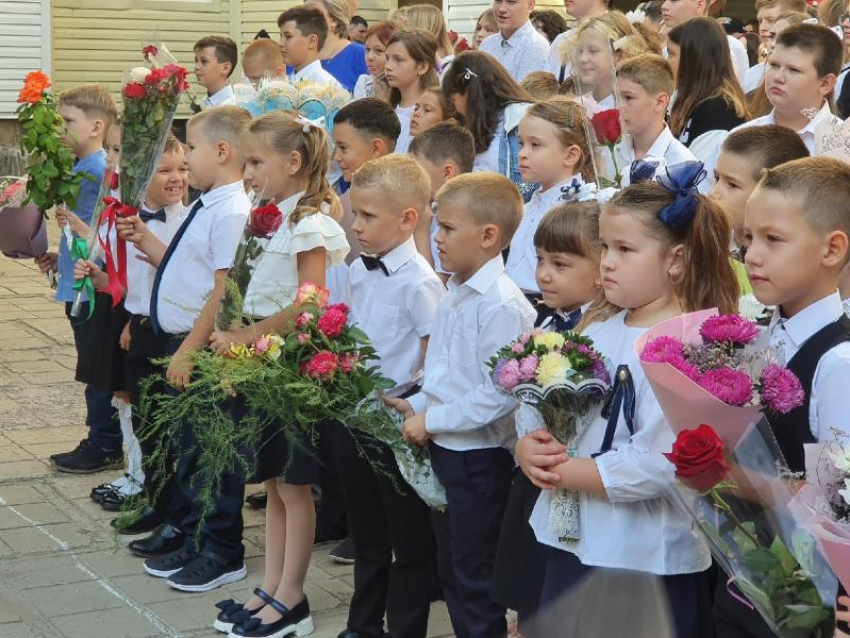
[(62, 570)]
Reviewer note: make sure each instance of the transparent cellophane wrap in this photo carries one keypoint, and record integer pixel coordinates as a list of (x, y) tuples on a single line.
[(751, 530)]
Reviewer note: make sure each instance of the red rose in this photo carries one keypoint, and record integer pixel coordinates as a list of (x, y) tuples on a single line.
[(333, 320), (112, 176), (156, 76), (149, 51), (264, 221), (606, 125), (179, 74), (322, 365), (698, 457), (135, 91)]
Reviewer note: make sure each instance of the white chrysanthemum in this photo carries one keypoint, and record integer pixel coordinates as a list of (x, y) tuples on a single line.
[(751, 308), (552, 367), (549, 340)]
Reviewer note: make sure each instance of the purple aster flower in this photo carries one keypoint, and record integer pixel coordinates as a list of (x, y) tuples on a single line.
[(780, 389), (733, 387), (732, 329), (528, 368)]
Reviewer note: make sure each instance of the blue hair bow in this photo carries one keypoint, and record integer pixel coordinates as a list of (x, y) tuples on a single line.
[(568, 193), (643, 170), (681, 180)]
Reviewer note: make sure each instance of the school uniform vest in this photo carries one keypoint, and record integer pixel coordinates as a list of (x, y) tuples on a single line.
[(792, 430)]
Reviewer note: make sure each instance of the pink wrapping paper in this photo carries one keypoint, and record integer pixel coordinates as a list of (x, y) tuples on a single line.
[(834, 539), (685, 404)]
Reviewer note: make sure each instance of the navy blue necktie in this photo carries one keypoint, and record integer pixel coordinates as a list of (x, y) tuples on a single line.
[(165, 258), (146, 215), (373, 263), (563, 324)]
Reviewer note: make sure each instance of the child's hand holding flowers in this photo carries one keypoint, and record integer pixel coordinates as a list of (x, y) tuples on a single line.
[(414, 430)]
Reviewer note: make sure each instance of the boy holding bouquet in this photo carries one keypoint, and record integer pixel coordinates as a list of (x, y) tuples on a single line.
[(467, 421), (797, 225), (393, 293), (88, 111)]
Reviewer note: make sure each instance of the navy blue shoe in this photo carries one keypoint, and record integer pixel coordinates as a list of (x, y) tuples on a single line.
[(293, 622), (233, 613)]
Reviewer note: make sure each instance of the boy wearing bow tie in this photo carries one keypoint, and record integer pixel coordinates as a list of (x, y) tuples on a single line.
[(393, 293)]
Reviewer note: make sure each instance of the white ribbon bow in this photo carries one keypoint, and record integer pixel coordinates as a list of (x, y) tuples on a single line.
[(306, 123)]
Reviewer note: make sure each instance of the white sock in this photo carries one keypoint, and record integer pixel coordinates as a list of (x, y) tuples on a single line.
[(131, 483)]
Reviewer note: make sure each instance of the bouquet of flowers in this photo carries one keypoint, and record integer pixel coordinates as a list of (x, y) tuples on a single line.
[(263, 222), (151, 97), (713, 383), (563, 377), (822, 506), (23, 233)]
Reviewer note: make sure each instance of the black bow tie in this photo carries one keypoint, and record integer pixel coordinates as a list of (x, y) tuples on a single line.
[(372, 263), (146, 215)]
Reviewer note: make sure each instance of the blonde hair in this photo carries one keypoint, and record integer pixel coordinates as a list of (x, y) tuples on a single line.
[(285, 133), (568, 117), (94, 101), (542, 85), (401, 178), (222, 123), (430, 19), (488, 198), (650, 71), (339, 12), (611, 24), (267, 51)]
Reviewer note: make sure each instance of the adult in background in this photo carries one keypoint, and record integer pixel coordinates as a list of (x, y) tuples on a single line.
[(677, 12), (518, 46), (579, 9), (342, 58), (357, 29), (550, 23)]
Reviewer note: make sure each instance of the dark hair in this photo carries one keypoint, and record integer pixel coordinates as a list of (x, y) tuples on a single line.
[(765, 146), (446, 141), (308, 20), (488, 88), (551, 23), (359, 20), (225, 49), (371, 116), (705, 71), (262, 34), (652, 10), (421, 46), (817, 39), (753, 43), (571, 228)]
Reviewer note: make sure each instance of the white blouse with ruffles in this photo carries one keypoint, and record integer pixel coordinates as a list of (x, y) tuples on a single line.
[(274, 281)]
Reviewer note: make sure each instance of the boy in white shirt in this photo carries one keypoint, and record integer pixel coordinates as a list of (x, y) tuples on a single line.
[(801, 74), (393, 294), (467, 421), (646, 84), (797, 225), (215, 61), (303, 31), (186, 291)]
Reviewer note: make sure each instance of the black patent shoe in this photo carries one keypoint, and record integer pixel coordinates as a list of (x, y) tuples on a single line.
[(293, 622), (147, 521), (165, 539), (233, 613), (257, 501), (97, 493)]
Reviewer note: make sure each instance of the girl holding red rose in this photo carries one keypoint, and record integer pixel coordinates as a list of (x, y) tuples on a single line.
[(664, 252), (286, 158)]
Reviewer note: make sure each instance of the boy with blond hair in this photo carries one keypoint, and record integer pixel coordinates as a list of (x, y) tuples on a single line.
[(393, 293), (646, 84), (88, 112), (263, 59), (797, 225), (466, 422)]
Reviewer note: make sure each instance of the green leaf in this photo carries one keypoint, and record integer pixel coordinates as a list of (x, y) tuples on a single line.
[(744, 542), (761, 560), (806, 616), (358, 335), (786, 558), (758, 597)]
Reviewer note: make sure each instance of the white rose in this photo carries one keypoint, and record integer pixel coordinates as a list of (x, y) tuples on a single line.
[(139, 73), (751, 308)]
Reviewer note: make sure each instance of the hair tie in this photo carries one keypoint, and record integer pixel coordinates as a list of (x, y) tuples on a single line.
[(643, 170), (681, 180), (306, 123)]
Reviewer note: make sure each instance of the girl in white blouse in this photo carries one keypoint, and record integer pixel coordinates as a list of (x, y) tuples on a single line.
[(663, 253), (286, 158)]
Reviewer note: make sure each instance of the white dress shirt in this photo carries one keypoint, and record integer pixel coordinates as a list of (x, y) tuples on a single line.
[(807, 133), (555, 59), (522, 258), (432, 236), (666, 150), (208, 245), (140, 274), (274, 281), (828, 402), (314, 72), (396, 311), (636, 527), (221, 97), (365, 87), (474, 320), (754, 77), (524, 52), (740, 59), (405, 116)]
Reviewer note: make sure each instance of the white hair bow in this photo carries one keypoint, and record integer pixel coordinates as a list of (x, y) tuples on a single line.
[(307, 123)]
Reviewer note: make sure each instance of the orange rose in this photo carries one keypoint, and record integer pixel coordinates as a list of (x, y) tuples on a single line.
[(35, 84)]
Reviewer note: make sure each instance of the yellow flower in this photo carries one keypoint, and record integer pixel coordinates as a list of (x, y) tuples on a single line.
[(241, 351), (549, 340), (552, 367)]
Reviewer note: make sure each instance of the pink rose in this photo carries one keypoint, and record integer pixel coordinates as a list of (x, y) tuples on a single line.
[(303, 338), (303, 319), (518, 347), (322, 365), (333, 320), (262, 344)]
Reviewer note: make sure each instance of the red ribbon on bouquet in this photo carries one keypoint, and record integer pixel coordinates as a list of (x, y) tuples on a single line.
[(116, 269)]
